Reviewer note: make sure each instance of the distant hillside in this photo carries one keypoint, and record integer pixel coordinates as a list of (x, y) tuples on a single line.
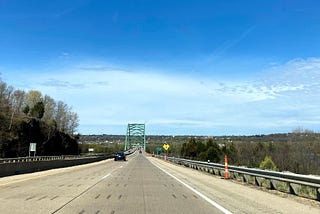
[(156, 139)]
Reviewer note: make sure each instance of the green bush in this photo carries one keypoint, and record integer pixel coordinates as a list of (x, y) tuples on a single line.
[(268, 163)]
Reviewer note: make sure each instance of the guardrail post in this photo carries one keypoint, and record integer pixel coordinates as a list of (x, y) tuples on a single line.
[(318, 194), (292, 190), (245, 179), (272, 185), (257, 182)]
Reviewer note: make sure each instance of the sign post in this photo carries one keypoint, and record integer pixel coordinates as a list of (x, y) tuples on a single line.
[(32, 148), (166, 147), (158, 150)]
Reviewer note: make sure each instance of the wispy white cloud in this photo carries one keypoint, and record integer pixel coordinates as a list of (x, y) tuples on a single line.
[(61, 84), (295, 72), (284, 97)]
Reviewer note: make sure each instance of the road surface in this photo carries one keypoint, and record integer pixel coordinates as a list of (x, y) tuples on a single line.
[(140, 185)]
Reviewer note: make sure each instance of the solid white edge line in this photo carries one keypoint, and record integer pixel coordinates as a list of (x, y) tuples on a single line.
[(222, 209)]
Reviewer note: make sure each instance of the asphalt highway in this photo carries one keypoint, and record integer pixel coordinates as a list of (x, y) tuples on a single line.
[(134, 186), (142, 184)]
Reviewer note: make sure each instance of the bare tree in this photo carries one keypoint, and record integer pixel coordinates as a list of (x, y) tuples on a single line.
[(33, 97), (16, 104), (61, 115), (73, 122), (49, 109)]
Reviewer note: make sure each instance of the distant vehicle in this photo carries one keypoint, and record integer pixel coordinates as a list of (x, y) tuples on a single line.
[(120, 156)]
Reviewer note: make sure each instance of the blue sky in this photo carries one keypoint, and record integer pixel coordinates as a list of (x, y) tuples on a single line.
[(182, 67)]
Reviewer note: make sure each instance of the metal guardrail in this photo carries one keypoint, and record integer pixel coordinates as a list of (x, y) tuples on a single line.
[(283, 181), (62, 157), (21, 165), (40, 158)]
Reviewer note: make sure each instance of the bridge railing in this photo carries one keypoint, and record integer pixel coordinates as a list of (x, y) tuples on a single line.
[(21, 165), (36, 158), (46, 158), (62, 157), (300, 185)]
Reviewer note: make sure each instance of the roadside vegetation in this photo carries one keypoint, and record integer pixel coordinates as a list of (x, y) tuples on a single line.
[(30, 117), (98, 148), (297, 152)]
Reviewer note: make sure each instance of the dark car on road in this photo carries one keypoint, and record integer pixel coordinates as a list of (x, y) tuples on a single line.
[(120, 156)]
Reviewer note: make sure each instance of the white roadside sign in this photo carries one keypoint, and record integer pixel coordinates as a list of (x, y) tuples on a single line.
[(33, 147)]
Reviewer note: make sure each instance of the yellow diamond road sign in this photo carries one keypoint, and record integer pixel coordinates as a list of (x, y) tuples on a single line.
[(165, 146)]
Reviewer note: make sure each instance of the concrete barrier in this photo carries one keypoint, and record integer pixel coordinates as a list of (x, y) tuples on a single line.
[(15, 166), (7, 169)]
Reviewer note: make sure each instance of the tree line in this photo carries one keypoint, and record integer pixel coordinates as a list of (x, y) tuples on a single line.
[(208, 150), (297, 152), (30, 117)]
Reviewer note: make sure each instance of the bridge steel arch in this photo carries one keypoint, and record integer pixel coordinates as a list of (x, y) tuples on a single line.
[(135, 136)]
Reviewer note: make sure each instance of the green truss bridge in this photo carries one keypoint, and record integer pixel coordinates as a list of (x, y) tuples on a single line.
[(136, 136)]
